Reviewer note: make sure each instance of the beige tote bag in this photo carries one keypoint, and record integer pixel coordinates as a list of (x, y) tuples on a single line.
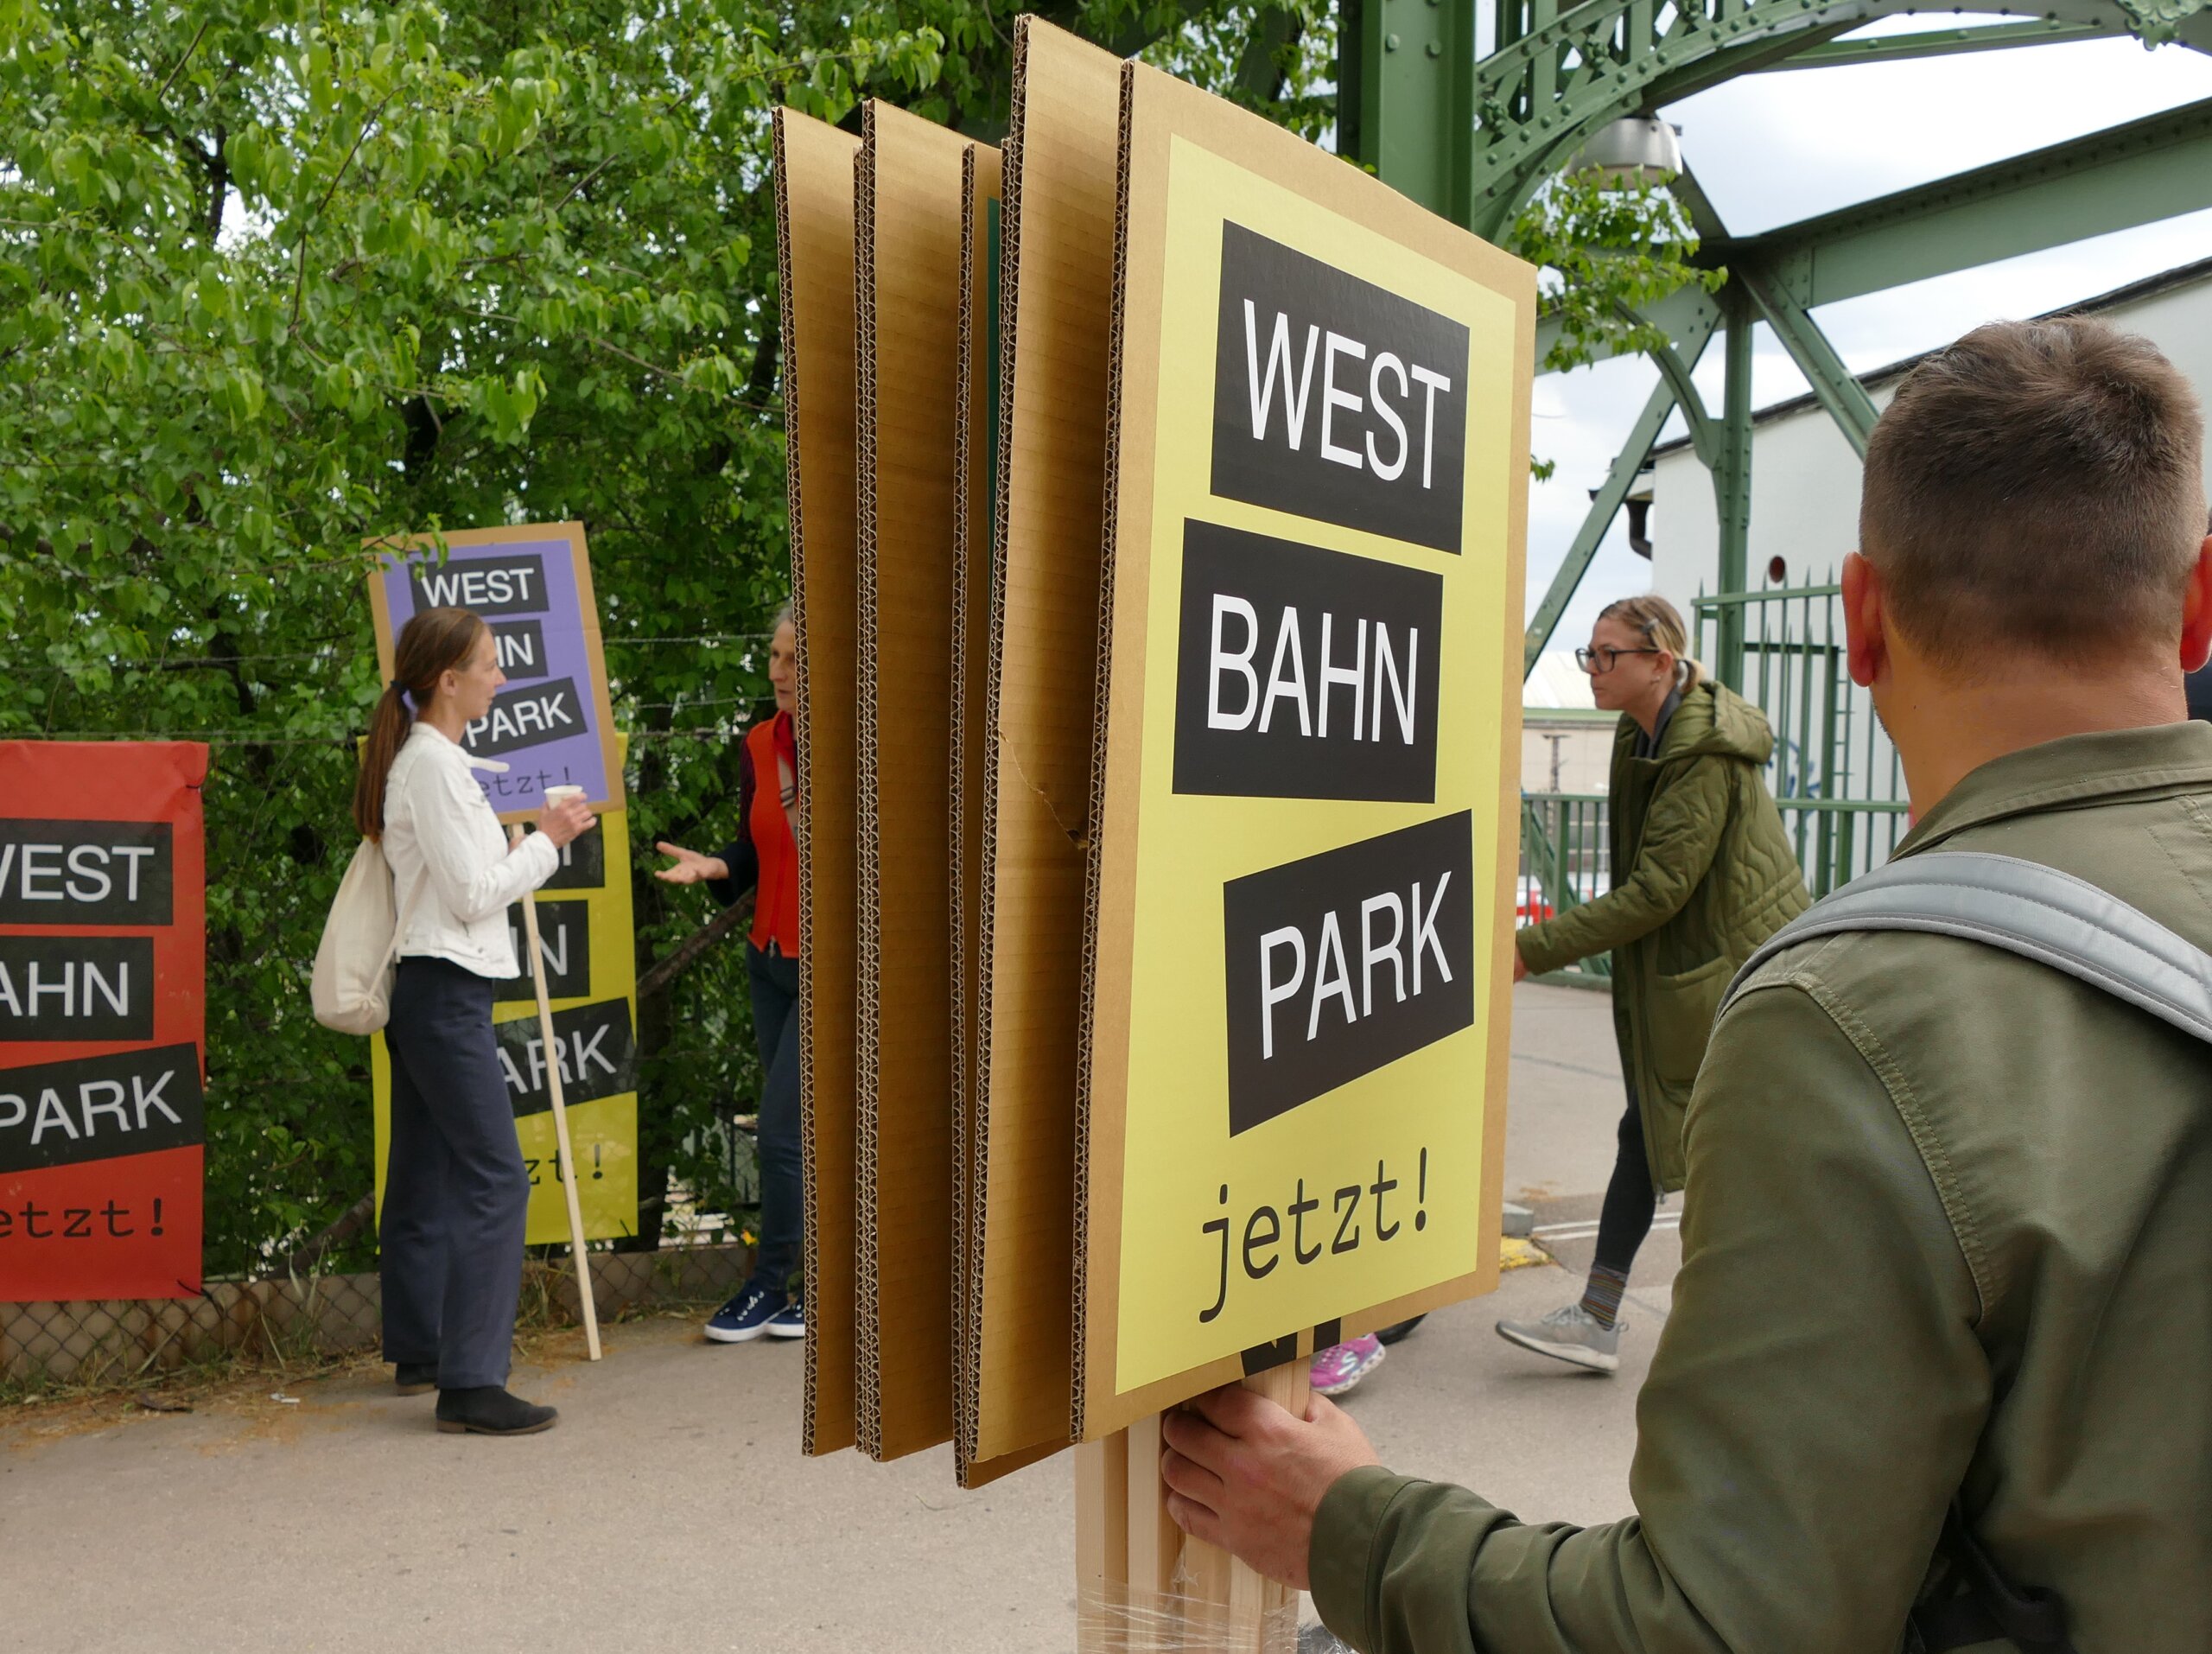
[(352, 988)]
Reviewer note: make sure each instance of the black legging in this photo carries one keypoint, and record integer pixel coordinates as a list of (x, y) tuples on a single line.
[(1630, 1199)]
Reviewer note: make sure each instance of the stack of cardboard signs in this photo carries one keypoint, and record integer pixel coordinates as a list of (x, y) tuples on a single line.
[(1157, 485)]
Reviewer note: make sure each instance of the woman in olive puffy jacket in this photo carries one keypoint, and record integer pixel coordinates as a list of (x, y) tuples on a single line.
[(1703, 873)]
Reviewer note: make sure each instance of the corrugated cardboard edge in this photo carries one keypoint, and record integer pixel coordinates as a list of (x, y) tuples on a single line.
[(986, 264), (972, 619), (1087, 1054), (1051, 513), (908, 194), (1097, 1408), (968, 1423), (821, 432), (868, 1331), (967, 733)]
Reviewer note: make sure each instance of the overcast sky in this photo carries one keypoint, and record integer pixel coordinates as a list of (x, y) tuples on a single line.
[(1773, 149)]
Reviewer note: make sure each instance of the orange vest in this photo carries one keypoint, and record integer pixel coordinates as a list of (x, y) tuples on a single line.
[(775, 903)]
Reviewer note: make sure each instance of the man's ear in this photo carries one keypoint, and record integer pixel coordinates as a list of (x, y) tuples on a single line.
[(2197, 612), (1863, 620)]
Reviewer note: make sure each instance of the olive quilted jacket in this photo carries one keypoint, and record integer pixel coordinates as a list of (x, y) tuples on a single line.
[(1702, 873)]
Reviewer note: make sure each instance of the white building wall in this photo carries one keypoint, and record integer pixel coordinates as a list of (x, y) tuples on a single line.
[(1805, 478), (1805, 509)]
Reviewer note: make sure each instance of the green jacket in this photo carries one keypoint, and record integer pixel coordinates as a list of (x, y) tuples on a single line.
[(1949, 1232), (1703, 874)]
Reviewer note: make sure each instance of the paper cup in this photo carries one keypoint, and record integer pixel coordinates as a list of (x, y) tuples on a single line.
[(562, 793)]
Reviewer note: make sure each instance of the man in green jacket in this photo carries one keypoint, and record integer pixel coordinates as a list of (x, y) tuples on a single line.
[(1950, 1225)]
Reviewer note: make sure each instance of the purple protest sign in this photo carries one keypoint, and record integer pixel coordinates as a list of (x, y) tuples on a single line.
[(550, 724)]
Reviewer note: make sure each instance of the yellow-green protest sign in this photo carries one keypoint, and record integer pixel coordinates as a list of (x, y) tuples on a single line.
[(1293, 1089), (585, 925)]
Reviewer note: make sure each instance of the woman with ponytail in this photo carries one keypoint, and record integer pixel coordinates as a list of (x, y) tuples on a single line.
[(1702, 872), (457, 1193)]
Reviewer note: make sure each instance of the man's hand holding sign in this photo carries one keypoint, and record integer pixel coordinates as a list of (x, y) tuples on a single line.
[(1248, 1476)]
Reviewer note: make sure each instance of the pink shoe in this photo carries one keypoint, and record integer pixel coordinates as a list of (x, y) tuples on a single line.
[(1341, 1366)]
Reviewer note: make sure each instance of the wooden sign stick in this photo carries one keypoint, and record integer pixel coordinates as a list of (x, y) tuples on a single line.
[(1222, 1604), (560, 1115)]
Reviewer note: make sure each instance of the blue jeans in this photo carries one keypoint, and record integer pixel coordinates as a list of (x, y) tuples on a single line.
[(775, 1025), (456, 1195)]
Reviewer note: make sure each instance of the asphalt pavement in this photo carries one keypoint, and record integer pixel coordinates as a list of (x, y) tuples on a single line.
[(671, 1509)]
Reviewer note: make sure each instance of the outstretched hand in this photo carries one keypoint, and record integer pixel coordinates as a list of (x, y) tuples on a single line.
[(691, 867), (1247, 1475)]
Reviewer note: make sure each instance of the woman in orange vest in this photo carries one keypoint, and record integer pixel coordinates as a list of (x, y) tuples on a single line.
[(763, 858)]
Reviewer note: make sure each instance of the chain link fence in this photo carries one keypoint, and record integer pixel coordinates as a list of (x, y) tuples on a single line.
[(290, 1320)]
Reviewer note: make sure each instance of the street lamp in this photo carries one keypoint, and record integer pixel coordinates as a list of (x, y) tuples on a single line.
[(1632, 151)]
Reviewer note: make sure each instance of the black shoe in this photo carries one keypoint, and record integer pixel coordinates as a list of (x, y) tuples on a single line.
[(491, 1411), (1391, 1335), (414, 1377)]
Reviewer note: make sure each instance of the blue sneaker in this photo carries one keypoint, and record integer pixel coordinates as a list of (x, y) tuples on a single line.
[(790, 1321), (745, 1317)]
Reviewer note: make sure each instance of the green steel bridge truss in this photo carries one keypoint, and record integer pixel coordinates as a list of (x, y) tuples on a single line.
[(1474, 140)]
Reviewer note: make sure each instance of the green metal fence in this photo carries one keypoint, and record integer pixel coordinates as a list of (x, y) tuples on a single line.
[(1565, 860), (1834, 774)]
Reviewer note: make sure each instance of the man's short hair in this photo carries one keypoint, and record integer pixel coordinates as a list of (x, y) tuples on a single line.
[(2037, 487)]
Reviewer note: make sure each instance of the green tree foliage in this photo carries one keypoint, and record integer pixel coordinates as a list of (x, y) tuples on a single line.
[(1607, 253), (280, 276), (277, 275)]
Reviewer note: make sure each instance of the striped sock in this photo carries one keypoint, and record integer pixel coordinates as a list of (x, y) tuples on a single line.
[(1602, 1297)]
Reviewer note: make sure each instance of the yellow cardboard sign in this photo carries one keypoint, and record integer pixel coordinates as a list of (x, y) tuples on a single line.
[(586, 927), (1294, 1095)]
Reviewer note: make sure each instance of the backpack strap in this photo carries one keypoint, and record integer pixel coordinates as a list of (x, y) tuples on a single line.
[(2023, 907)]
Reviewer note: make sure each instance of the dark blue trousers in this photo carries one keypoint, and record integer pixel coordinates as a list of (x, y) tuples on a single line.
[(456, 1195), (775, 1025)]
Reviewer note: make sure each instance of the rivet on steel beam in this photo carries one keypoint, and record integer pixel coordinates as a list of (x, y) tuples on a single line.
[(1390, 42), (1433, 49)]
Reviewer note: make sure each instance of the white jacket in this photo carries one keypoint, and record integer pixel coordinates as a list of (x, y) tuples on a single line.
[(452, 876)]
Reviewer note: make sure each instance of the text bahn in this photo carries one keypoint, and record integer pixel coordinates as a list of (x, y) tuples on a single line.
[(76, 988), (1304, 673)]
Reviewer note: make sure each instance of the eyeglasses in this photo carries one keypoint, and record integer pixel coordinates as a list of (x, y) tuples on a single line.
[(1593, 661)]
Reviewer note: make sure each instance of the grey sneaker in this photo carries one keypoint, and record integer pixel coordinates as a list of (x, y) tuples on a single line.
[(1570, 1334)]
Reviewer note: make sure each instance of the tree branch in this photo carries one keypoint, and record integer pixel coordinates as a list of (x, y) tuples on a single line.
[(299, 280), (687, 953), (581, 181), (181, 61)]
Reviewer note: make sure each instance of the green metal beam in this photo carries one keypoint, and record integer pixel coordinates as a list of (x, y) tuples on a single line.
[(1732, 488), (1835, 386), (1675, 373), (1405, 96), (1751, 56), (1944, 43), (1561, 71), (1605, 505), (1705, 217), (2144, 171), (2147, 171)]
